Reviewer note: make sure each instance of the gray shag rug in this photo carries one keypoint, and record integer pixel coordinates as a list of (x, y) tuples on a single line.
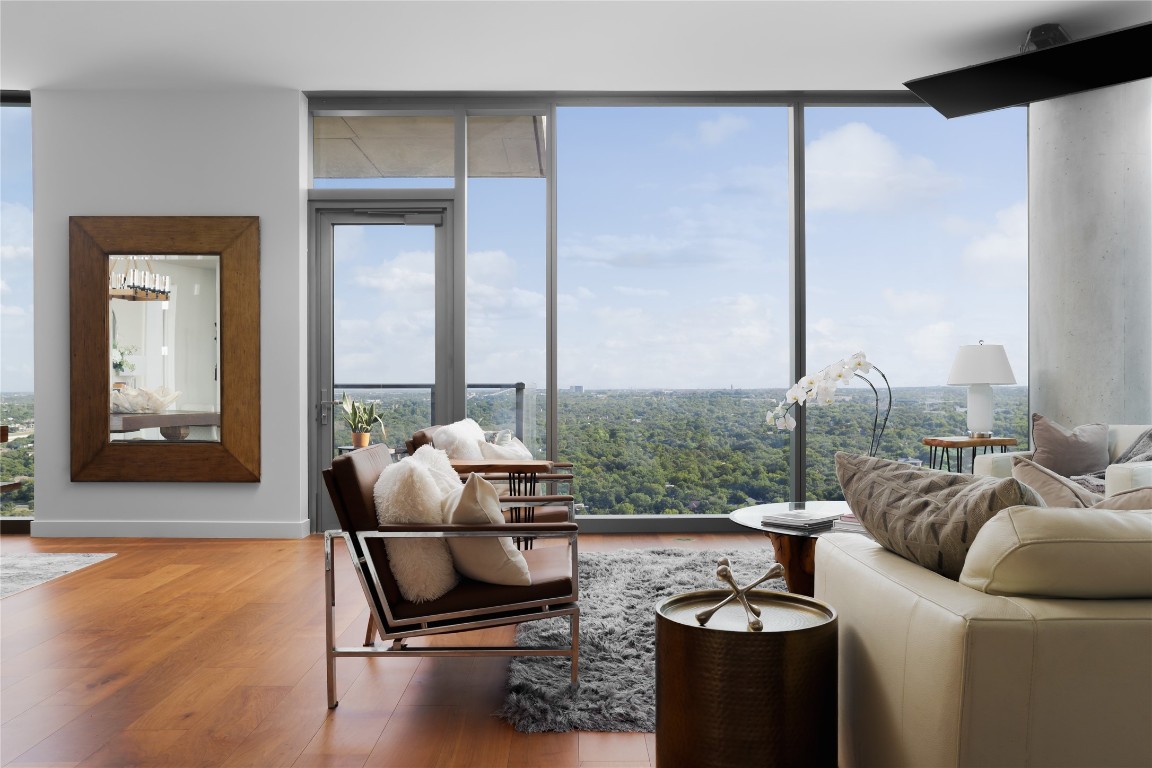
[(618, 595), (25, 570)]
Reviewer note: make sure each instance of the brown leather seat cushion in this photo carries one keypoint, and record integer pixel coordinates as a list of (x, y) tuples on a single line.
[(551, 568), (539, 515)]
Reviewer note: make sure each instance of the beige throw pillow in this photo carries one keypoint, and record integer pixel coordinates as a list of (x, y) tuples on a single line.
[(1068, 452), (1063, 553), (927, 516), (407, 493), (1056, 490), (1131, 499), (485, 558)]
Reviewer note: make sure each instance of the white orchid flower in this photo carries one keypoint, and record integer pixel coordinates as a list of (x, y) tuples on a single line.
[(796, 394), (859, 363), (825, 393), (786, 422)]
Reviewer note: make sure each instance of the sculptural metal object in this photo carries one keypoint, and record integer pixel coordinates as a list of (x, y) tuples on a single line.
[(724, 573)]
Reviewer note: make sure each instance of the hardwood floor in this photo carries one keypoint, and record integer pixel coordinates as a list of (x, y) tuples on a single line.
[(180, 653)]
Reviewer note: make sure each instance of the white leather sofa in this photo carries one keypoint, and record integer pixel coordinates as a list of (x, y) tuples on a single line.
[(1117, 477), (936, 673)]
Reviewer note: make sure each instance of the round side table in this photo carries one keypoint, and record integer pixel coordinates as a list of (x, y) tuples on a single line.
[(727, 696)]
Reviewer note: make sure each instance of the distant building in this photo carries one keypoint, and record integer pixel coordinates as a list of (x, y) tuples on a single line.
[(578, 388)]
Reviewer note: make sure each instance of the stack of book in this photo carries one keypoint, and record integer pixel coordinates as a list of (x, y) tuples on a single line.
[(849, 522), (800, 519)]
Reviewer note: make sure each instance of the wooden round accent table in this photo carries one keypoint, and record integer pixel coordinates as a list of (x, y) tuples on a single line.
[(794, 549), (727, 696)]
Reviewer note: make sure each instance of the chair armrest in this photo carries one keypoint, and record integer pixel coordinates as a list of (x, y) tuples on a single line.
[(540, 500), (997, 464), (1123, 477), (447, 530)]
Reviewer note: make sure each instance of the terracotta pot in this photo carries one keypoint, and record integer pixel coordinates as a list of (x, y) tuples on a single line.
[(360, 439)]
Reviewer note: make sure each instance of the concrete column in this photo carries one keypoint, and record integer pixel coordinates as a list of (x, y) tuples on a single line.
[(1090, 256)]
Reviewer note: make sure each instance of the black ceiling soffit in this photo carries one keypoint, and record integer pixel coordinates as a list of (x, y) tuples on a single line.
[(1058, 70)]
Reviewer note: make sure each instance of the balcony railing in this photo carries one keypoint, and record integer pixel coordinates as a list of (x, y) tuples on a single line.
[(518, 386)]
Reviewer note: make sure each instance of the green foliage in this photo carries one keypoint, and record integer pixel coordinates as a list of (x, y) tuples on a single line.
[(359, 417), (18, 455)]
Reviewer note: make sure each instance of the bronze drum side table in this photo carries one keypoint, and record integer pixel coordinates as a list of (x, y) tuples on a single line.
[(727, 696)]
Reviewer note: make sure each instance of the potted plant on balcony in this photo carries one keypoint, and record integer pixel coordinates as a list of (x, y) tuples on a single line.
[(360, 418)]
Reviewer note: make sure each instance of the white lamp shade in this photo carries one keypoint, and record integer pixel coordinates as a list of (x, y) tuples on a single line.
[(981, 364)]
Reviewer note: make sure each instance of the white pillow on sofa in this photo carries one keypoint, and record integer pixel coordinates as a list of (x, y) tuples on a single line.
[(485, 558), (1062, 552), (406, 492)]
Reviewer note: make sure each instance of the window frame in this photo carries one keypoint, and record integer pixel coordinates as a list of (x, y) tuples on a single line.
[(547, 103)]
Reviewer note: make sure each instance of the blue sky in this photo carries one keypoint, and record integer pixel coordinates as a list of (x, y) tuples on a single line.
[(673, 237)]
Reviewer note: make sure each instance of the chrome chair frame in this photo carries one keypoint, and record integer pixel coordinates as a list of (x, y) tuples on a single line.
[(397, 630)]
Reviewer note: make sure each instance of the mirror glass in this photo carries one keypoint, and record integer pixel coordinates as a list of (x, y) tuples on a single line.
[(164, 349)]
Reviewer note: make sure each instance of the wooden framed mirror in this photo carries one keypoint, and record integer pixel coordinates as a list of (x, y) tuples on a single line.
[(165, 346)]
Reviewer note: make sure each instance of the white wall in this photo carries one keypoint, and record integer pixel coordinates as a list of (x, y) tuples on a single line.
[(142, 153), (1090, 256)]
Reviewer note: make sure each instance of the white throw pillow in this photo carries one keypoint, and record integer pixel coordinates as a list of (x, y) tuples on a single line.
[(491, 559), (1063, 552), (513, 449), (438, 463), (458, 440), (406, 492)]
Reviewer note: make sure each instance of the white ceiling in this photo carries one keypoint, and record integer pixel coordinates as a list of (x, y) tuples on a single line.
[(522, 45)]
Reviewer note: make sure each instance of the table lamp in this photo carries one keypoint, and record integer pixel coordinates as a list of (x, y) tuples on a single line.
[(979, 366)]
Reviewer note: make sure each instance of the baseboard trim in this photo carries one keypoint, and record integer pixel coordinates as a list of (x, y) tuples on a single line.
[(171, 529), (15, 525)]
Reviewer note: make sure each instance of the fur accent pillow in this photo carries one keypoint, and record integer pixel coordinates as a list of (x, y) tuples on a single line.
[(490, 559), (440, 466), (927, 516), (458, 440), (1068, 452), (513, 449), (406, 492), (1056, 490)]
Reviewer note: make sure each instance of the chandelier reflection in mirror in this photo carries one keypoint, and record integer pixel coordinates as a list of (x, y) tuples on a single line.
[(133, 278)]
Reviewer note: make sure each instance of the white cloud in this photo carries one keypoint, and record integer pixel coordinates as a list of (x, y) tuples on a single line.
[(738, 340), (15, 231), (856, 168), (913, 302), (628, 290), (933, 346), (4, 286), (12, 311), (713, 132), (1006, 243)]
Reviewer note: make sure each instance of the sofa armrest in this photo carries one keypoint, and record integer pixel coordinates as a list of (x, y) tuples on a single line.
[(934, 673), (997, 464), (1123, 477)]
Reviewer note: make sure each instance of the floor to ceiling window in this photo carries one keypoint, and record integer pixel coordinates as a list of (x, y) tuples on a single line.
[(917, 242), (16, 378), (641, 294), (505, 275), (673, 305)]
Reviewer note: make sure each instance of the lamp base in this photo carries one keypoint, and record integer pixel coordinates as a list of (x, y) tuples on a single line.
[(979, 435)]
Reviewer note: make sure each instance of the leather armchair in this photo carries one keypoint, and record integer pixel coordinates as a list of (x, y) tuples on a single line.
[(934, 672)]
